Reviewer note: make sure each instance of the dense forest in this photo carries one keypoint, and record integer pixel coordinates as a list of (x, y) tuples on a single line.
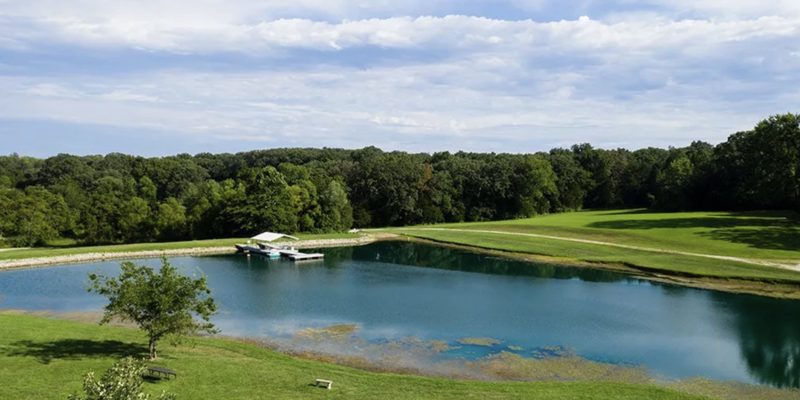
[(120, 198)]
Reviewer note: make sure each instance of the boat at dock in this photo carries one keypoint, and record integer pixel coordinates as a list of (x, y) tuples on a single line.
[(249, 249), (286, 250)]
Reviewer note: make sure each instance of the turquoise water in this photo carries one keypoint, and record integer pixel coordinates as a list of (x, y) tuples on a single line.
[(397, 289)]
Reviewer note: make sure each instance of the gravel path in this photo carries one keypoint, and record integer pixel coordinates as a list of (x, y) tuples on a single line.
[(89, 257), (624, 246)]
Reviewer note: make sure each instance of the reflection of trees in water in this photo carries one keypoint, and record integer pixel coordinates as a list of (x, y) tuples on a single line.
[(441, 257), (769, 336), (672, 290), (334, 256)]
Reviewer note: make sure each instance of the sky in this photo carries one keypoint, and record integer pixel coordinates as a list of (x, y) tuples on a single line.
[(161, 77)]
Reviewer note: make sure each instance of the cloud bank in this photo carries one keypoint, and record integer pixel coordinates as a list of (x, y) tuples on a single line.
[(487, 75)]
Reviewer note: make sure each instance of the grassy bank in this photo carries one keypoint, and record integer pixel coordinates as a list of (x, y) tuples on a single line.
[(46, 359), (757, 235), (71, 249), (772, 238)]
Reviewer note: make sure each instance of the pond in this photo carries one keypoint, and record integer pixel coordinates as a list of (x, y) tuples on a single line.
[(400, 292)]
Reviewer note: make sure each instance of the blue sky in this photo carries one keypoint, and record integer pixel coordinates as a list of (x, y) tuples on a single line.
[(161, 77)]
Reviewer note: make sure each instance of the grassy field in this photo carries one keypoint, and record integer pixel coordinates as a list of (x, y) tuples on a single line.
[(68, 248), (772, 237), (46, 359)]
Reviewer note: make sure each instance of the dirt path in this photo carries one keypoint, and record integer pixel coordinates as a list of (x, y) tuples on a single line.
[(624, 246)]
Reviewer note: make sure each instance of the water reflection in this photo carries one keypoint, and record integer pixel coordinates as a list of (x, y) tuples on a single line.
[(769, 336), (440, 257)]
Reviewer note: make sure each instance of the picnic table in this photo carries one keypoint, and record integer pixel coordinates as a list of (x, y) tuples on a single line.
[(161, 372)]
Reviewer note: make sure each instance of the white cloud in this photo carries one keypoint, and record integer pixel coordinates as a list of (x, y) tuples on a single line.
[(51, 90), (728, 8), (450, 32), (124, 95), (195, 13)]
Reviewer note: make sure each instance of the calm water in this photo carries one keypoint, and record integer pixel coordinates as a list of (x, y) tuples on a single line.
[(396, 289)]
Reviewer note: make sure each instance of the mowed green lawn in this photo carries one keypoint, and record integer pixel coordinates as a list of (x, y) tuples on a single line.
[(66, 250), (771, 236), (46, 359)]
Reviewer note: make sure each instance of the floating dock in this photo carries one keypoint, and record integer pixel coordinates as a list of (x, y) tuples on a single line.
[(274, 252), (304, 257)]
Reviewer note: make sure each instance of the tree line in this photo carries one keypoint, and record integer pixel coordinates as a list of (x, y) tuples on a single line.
[(119, 198)]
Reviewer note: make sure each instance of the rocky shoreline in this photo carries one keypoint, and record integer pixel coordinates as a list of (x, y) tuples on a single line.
[(89, 257)]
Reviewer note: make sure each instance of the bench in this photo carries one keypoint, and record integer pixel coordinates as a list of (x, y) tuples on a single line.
[(162, 371), (324, 382)]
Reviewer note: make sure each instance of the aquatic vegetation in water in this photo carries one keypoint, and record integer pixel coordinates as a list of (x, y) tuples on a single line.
[(553, 351), (439, 346), (411, 355), (515, 348), (488, 342), (412, 343), (341, 331)]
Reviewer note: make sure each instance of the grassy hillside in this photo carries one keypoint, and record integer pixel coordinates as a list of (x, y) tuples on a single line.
[(769, 236), (46, 359)]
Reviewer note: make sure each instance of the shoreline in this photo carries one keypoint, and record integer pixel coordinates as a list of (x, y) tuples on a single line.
[(197, 251), (409, 357), (563, 367), (776, 290)]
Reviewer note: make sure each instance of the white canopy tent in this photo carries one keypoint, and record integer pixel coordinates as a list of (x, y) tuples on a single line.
[(270, 236)]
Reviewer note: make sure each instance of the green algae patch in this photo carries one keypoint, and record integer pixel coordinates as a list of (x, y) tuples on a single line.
[(488, 342), (341, 331), (553, 351), (439, 346)]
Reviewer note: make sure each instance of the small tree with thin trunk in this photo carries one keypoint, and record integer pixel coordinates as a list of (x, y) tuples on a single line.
[(162, 304)]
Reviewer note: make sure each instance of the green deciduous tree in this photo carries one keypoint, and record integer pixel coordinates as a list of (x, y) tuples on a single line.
[(135, 222), (265, 204), (537, 187), (674, 182), (337, 214), (573, 181), (774, 158), (171, 220), (162, 304), (5, 182), (387, 187), (34, 216), (305, 201), (123, 381)]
